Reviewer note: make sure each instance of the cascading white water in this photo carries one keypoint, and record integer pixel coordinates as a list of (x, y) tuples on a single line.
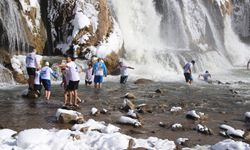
[(159, 41), (11, 27), (6, 77)]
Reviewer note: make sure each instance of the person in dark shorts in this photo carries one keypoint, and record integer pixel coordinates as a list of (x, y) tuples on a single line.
[(31, 66), (88, 76), (74, 80), (188, 71), (37, 82), (124, 72), (46, 72)]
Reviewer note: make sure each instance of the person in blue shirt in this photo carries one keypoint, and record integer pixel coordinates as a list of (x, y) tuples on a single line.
[(45, 74), (99, 70)]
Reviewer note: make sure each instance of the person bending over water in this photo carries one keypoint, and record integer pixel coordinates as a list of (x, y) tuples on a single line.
[(205, 76), (124, 72)]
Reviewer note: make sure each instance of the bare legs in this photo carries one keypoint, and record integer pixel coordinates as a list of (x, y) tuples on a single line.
[(47, 95), (98, 85), (31, 81)]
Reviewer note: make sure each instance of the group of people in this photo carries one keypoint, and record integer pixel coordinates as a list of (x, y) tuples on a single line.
[(39, 76), (188, 73)]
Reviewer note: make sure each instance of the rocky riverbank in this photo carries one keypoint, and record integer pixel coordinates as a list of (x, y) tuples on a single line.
[(218, 103)]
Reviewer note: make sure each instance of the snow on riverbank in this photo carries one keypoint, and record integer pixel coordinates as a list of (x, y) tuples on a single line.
[(33, 139), (97, 136)]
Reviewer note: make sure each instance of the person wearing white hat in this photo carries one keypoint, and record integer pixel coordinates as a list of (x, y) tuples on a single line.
[(45, 74)]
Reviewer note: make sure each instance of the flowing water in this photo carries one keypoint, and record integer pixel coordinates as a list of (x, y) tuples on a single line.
[(12, 35), (216, 101), (162, 35)]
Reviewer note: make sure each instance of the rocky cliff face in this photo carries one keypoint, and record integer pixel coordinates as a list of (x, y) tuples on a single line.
[(241, 18), (78, 24)]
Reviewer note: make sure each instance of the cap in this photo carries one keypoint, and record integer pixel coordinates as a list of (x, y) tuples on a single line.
[(46, 63)]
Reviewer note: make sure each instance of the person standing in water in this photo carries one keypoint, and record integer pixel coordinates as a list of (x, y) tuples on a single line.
[(124, 72), (248, 64), (188, 71), (31, 66), (205, 76), (37, 82), (88, 76), (74, 80), (46, 72), (99, 70)]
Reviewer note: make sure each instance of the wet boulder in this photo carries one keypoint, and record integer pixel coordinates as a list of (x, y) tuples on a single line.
[(159, 91), (129, 121), (143, 81), (69, 116), (247, 116), (129, 96), (196, 116), (143, 108), (127, 105), (204, 129), (31, 94), (230, 131), (247, 137)]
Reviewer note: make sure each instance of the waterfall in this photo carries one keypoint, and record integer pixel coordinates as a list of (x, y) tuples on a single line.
[(12, 36), (6, 76), (161, 35)]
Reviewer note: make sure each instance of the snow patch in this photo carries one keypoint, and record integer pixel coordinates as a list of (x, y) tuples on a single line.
[(231, 131), (175, 109), (231, 145)]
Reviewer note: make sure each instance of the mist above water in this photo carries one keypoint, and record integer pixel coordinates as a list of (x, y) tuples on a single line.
[(160, 36)]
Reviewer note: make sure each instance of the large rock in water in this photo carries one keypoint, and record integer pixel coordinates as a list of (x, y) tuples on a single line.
[(143, 81), (69, 116)]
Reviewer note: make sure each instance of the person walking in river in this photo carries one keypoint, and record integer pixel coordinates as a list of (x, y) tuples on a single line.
[(188, 71), (248, 64), (99, 70), (205, 76), (31, 66), (88, 76), (74, 79), (124, 72), (37, 82), (46, 72)]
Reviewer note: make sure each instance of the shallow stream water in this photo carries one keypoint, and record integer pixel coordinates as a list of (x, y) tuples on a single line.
[(216, 101)]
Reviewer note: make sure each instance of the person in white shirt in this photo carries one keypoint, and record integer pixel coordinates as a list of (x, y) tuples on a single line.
[(74, 79), (31, 66), (37, 82), (205, 76), (188, 71), (45, 74), (124, 72)]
